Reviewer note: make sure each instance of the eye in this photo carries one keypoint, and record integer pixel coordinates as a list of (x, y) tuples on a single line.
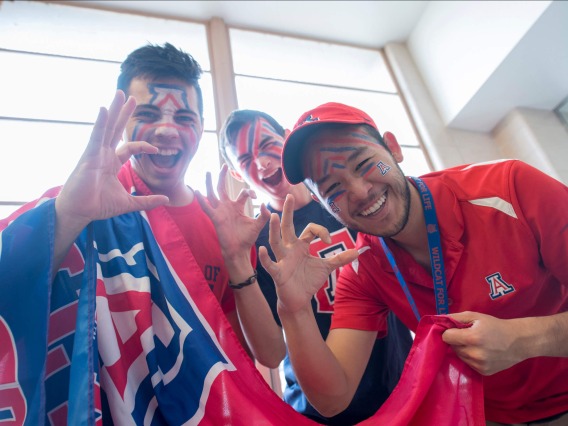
[(146, 115), (330, 189), (245, 161), (185, 119), (362, 163)]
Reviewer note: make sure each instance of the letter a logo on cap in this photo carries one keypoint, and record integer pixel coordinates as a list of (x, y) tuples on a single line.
[(310, 118)]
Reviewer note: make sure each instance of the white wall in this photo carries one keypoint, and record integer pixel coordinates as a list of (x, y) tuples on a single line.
[(458, 45), (536, 137), (446, 147)]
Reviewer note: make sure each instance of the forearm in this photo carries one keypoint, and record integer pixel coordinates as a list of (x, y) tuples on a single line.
[(262, 333), (318, 371), (542, 336), (66, 232)]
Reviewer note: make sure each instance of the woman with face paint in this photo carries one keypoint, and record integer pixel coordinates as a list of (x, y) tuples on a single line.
[(251, 144), (485, 244)]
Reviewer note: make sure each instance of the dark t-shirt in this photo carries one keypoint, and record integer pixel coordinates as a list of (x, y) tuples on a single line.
[(389, 353)]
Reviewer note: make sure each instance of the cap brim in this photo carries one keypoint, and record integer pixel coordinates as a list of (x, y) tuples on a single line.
[(292, 154)]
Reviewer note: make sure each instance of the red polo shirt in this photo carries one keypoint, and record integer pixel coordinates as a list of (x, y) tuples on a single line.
[(504, 232)]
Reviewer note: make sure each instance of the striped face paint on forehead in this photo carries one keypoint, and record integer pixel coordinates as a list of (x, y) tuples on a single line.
[(255, 142), (168, 106), (329, 158), (342, 155)]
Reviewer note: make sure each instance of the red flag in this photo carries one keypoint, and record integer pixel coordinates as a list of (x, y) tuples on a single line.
[(436, 387)]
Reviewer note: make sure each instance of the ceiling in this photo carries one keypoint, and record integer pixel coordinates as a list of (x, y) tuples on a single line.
[(361, 23), (373, 24)]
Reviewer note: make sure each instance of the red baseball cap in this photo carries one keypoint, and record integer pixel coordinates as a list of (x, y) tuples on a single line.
[(331, 112)]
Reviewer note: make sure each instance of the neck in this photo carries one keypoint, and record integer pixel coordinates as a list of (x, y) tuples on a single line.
[(302, 197), (413, 237), (181, 196)]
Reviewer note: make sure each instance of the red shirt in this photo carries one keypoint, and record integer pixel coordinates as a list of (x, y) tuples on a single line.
[(201, 237), (504, 232)]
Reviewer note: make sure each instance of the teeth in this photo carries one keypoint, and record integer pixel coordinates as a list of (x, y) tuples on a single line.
[(374, 207), (167, 152), (269, 176)]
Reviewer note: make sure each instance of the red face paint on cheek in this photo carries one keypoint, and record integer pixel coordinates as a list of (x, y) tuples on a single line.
[(243, 151)]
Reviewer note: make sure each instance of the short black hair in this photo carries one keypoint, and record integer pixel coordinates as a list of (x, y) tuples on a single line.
[(233, 124), (156, 62)]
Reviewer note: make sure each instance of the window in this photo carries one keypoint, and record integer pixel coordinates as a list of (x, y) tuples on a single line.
[(285, 76), (60, 64)]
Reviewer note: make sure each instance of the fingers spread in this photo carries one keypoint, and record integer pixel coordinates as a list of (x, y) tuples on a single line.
[(210, 192), (266, 261), (128, 149), (274, 238), (222, 183), (313, 231), (244, 195), (123, 116), (342, 259), (113, 115), (288, 231), (147, 202), (204, 204), (98, 133)]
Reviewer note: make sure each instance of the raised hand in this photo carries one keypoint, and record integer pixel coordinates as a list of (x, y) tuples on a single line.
[(297, 274), (93, 190), (237, 232)]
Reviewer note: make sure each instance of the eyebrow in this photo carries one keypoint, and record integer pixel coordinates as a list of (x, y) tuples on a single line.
[(157, 108), (356, 152), (266, 140)]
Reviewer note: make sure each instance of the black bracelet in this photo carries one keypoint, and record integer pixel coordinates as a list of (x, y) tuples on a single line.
[(250, 280)]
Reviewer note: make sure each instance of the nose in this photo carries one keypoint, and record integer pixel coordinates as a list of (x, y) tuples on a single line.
[(359, 189), (262, 162), (166, 129)]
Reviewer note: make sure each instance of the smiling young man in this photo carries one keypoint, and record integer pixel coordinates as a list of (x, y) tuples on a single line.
[(115, 302), (485, 243), (251, 143)]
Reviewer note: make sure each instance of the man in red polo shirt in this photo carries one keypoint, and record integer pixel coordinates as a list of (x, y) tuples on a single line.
[(486, 243)]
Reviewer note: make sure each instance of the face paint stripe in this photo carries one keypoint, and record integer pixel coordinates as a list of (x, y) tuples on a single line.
[(340, 149), (337, 196), (139, 129), (368, 169), (268, 154)]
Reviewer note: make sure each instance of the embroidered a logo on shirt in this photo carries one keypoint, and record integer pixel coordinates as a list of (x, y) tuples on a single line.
[(499, 287)]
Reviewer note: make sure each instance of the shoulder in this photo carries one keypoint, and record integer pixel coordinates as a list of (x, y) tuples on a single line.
[(478, 180)]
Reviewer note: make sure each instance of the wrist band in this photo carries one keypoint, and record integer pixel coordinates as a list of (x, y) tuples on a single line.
[(250, 280)]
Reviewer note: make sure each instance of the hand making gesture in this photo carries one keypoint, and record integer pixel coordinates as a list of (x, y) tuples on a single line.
[(237, 232), (93, 190), (297, 274)]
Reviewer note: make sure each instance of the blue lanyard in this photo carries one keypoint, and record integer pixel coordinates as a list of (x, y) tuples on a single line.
[(436, 260)]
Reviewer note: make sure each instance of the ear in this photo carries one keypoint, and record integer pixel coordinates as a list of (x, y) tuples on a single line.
[(393, 146), (236, 174)]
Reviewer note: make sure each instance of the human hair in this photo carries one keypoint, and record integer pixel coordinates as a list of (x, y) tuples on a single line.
[(233, 124), (157, 62)]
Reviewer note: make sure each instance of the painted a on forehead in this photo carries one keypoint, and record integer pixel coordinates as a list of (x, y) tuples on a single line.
[(252, 141), (169, 98)]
